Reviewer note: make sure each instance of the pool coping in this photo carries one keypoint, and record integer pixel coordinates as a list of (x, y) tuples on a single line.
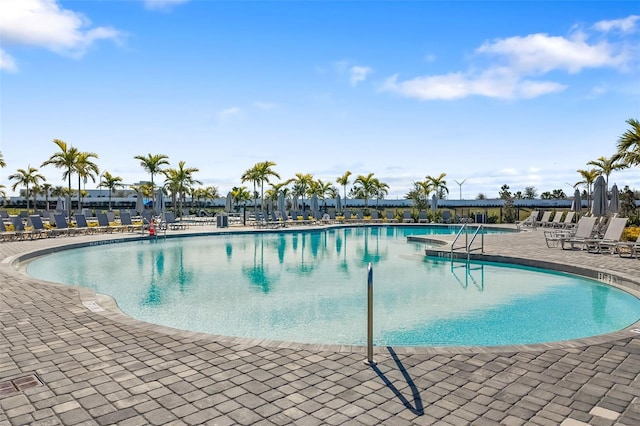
[(106, 306)]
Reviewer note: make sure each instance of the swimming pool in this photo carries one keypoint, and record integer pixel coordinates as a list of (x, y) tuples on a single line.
[(310, 286)]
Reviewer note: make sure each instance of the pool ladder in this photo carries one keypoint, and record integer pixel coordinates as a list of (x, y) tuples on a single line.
[(468, 241)]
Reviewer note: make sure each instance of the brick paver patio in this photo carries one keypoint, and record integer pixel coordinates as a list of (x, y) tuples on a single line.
[(67, 358)]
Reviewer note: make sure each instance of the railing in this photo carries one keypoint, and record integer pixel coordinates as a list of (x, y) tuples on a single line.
[(468, 242)]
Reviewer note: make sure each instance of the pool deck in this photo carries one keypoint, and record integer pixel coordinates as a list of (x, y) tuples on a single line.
[(68, 357)]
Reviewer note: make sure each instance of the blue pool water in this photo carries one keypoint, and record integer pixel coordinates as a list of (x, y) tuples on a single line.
[(310, 286)]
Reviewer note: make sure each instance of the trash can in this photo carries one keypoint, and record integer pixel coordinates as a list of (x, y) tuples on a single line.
[(222, 221)]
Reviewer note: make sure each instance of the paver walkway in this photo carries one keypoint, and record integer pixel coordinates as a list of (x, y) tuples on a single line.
[(63, 361)]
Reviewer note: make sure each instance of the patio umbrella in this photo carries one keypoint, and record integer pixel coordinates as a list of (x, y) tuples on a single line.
[(139, 203), (228, 207), (282, 206), (576, 204), (614, 203), (338, 203), (60, 206), (294, 203), (434, 203), (314, 205), (159, 204), (599, 207)]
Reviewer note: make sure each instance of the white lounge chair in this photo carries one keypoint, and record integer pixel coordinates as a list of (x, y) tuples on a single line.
[(630, 248), (591, 242), (529, 222)]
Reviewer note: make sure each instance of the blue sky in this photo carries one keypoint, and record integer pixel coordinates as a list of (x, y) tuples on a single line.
[(509, 92)]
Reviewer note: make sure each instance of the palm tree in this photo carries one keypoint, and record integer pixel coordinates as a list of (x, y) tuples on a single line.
[(381, 190), (111, 183), (46, 191), (65, 159), (344, 181), (240, 195), (252, 175), (210, 193), (439, 185), (629, 144), (26, 177), (85, 168), (302, 183), (588, 177), (324, 191), (153, 165), (2, 163), (180, 181), (365, 187), (58, 191), (606, 165), (263, 171)]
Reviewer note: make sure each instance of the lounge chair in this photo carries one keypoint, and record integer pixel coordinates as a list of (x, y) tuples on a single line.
[(588, 239), (375, 217), (103, 223), (62, 227), (611, 236), (6, 235), (545, 219), (127, 223), (568, 220), (630, 248), (529, 222), (39, 231), (406, 217), (422, 217), (174, 224), (82, 225), (446, 216), (390, 216), (555, 222), (583, 230)]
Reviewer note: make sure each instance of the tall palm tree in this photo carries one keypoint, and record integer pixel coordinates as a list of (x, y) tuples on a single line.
[(26, 177), (252, 175), (85, 168), (46, 191), (65, 159), (438, 184), (381, 189), (344, 181), (152, 163), (264, 171), (240, 195), (365, 187), (111, 183), (325, 190), (302, 183), (606, 165), (180, 180), (629, 144), (588, 177)]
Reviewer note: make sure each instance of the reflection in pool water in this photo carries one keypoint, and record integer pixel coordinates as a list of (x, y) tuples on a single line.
[(310, 286)]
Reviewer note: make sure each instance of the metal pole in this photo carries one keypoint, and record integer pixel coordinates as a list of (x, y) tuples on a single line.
[(370, 360)]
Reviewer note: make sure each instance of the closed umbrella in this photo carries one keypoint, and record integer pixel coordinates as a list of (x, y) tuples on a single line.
[(434, 203), (599, 207), (576, 204), (294, 204), (228, 206), (314, 205), (159, 204), (338, 203), (60, 205), (614, 203), (139, 203), (281, 203)]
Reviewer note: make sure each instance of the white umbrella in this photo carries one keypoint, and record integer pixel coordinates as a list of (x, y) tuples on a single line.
[(314, 205), (159, 204), (434, 203), (282, 206), (139, 203), (576, 204), (614, 203), (338, 203), (294, 204), (228, 207), (60, 206), (599, 207)]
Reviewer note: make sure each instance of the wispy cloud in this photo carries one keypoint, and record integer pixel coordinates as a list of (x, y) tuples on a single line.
[(45, 24), (519, 62), (265, 106), (162, 4), (7, 63), (359, 74), (228, 113)]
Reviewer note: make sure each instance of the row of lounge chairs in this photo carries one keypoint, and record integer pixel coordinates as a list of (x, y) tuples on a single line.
[(596, 235), (559, 220)]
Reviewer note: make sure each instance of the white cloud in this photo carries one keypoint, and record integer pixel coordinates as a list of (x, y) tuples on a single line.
[(162, 4), (358, 74), (518, 64), (625, 25), (228, 113), (45, 24), (6, 62)]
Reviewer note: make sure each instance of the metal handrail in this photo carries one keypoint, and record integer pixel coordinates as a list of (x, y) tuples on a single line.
[(467, 243)]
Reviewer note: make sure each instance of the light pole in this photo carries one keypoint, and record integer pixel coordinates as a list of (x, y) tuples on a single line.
[(460, 185)]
